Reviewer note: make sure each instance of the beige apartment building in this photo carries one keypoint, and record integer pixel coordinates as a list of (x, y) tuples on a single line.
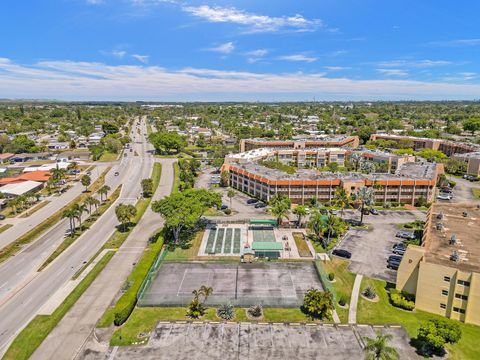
[(444, 273), (334, 141), (472, 160)]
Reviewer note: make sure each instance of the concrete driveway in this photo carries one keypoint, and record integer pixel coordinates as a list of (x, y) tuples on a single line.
[(371, 248)]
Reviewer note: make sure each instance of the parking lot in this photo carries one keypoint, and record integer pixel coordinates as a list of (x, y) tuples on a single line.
[(462, 192), (175, 341), (271, 284), (371, 248)]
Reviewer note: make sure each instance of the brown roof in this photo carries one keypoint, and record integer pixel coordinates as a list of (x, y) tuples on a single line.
[(40, 176), (6, 156)]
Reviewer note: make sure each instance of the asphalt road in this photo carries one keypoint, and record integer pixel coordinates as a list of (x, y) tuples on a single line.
[(22, 303)]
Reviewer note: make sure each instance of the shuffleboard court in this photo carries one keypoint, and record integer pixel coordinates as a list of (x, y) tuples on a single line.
[(271, 284)]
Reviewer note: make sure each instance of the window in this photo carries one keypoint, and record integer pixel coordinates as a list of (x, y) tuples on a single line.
[(461, 296), (463, 282), (446, 278), (445, 292), (443, 306), (459, 310)]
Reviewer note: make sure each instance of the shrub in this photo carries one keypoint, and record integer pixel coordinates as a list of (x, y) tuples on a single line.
[(255, 311), (331, 276), (318, 304), (226, 311), (435, 333), (227, 211), (369, 292), (343, 300), (401, 300)]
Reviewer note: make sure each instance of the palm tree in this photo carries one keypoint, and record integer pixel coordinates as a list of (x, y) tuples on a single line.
[(206, 291), (13, 204), (378, 348), (300, 211), (342, 199), (89, 201), (79, 210), (366, 195), (279, 206), (103, 191), (71, 215), (74, 167), (231, 195)]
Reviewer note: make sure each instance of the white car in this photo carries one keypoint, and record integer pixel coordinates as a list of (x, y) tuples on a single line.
[(442, 196)]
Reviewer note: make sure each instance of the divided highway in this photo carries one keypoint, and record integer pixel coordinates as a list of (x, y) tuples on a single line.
[(23, 291)]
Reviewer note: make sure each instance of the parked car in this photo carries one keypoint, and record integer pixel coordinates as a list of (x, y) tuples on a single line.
[(399, 251), (366, 212), (393, 265), (374, 211), (2, 217), (116, 173), (394, 258), (68, 232), (353, 222), (399, 246), (443, 196), (252, 201), (405, 235), (446, 190), (260, 205), (223, 207), (342, 253)]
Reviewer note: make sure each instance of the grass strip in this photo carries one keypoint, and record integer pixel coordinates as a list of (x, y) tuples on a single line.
[(30, 338), (69, 240), (476, 193), (117, 238), (176, 177), (15, 246), (108, 156), (302, 245), (34, 209), (5, 227)]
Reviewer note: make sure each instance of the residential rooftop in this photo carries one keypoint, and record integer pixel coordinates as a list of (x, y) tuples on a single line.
[(460, 221)]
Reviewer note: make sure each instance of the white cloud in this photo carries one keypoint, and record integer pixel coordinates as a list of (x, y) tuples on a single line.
[(298, 57), (95, 2), (120, 54), (226, 48), (337, 68), (393, 72), (69, 80), (258, 53), (253, 22), (141, 58), (414, 63), (458, 42)]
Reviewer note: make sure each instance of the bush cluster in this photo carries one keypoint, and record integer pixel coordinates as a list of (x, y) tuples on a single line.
[(402, 300)]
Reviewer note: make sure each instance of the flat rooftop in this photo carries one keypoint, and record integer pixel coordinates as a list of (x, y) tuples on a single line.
[(313, 138), (466, 231), (408, 171), (472, 155)]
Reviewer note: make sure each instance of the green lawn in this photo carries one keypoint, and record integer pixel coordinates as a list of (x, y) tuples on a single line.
[(30, 338), (108, 156), (176, 179), (476, 193), (143, 320), (343, 282), (5, 227), (383, 313), (302, 246)]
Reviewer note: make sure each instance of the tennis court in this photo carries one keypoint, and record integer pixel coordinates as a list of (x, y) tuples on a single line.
[(271, 284), (262, 234)]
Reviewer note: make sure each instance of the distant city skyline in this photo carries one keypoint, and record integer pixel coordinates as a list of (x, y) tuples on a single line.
[(168, 50)]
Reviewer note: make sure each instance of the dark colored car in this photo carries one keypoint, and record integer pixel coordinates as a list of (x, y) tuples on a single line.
[(366, 212), (252, 201), (342, 253), (223, 207), (353, 222), (260, 205), (393, 265), (399, 246), (374, 211), (394, 258), (446, 190), (116, 173), (2, 217)]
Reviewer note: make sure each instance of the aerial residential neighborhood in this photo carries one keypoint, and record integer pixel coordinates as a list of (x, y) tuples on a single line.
[(239, 180)]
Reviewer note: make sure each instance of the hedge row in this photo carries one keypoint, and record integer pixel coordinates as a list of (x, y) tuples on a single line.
[(126, 303)]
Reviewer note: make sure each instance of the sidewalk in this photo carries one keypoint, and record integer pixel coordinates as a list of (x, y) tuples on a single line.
[(352, 312)]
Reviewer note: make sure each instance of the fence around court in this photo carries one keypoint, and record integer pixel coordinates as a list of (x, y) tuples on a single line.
[(327, 285), (147, 282)]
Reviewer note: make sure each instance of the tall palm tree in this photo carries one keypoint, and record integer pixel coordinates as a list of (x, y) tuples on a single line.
[(342, 199), (366, 196), (103, 191), (71, 215), (378, 348), (279, 207), (90, 201), (231, 195), (300, 211), (79, 210)]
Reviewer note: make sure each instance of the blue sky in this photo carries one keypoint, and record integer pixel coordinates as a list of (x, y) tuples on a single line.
[(239, 50)]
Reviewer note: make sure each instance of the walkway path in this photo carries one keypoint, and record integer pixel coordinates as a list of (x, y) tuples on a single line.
[(352, 312)]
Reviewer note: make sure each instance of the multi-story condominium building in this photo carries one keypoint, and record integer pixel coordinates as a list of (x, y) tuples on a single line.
[(473, 162), (411, 182), (446, 146), (444, 273), (323, 142), (319, 157)]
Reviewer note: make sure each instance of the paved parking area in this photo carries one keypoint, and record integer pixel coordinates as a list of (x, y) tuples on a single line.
[(175, 341), (371, 248), (462, 192), (272, 284)]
